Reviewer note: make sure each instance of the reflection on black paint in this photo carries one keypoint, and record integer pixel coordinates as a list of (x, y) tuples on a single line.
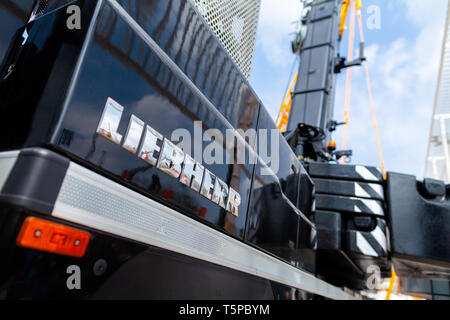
[(272, 224), (120, 65), (13, 15)]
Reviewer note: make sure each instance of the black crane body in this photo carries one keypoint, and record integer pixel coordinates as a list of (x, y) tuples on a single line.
[(94, 180)]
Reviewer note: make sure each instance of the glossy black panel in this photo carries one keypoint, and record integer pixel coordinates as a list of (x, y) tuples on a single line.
[(36, 76), (185, 36), (307, 194), (131, 271), (340, 259), (337, 268), (119, 65), (420, 229), (272, 224), (329, 230), (13, 15), (352, 244)]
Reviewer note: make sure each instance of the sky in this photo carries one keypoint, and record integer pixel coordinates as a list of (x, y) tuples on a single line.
[(403, 59)]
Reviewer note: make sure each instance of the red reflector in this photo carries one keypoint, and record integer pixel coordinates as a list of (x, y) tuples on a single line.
[(203, 212), (52, 237), (168, 194)]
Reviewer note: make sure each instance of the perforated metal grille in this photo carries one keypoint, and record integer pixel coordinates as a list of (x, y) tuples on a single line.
[(235, 23), (41, 7)]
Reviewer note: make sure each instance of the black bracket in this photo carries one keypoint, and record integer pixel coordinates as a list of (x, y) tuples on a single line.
[(310, 91), (347, 154), (332, 125), (342, 64)]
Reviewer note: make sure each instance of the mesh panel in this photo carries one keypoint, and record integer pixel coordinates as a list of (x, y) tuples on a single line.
[(235, 23), (41, 7)]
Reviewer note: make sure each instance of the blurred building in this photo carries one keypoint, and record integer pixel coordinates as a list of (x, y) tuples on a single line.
[(235, 23), (438, 156)]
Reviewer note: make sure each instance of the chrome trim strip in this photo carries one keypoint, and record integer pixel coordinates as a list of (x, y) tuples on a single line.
[(175, 69), (7, 161), (89, 199)]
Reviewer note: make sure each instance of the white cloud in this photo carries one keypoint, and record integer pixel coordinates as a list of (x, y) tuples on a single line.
[(423, 12), (275, 25), (403, 71), (404, 76)]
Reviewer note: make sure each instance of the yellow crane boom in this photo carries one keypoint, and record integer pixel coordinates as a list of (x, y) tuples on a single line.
[(283, 115)]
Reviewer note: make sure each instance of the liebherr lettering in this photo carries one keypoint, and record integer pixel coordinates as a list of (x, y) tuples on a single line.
[(151, 147)]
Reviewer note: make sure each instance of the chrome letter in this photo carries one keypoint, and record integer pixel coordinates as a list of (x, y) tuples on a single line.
[(150, 145), (134, 134), (220, 195), (208, 184), (192, 174), (109, 123), (234, 200), (170, 159)]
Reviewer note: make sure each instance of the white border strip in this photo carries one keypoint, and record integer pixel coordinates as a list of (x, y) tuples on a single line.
[(163, 227)]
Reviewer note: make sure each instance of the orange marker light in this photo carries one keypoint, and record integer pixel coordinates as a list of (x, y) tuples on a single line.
[(331, 146), (52, 237)]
